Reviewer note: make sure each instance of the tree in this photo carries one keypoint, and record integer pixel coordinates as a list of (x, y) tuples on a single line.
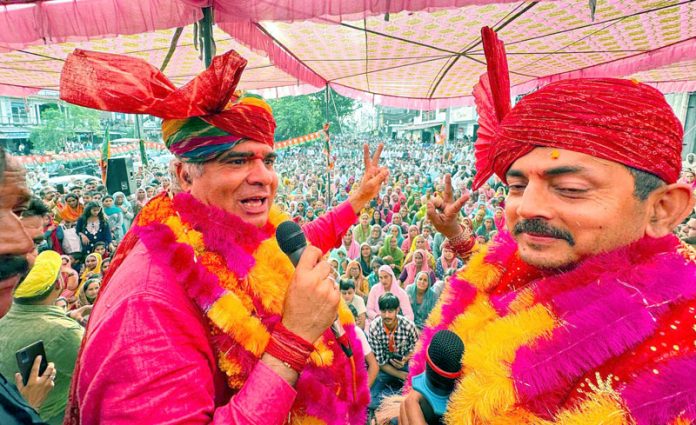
[(58, 125), (51, 135), (299, 115)]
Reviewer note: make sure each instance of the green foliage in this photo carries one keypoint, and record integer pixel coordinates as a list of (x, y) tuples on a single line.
[(52, 133), (299, 115), (61, 124)]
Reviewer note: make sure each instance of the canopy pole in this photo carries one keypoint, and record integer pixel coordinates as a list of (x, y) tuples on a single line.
[(328, 147), (205, 26)]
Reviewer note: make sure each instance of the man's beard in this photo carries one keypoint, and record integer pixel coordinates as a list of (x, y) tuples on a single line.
[(13, 265)]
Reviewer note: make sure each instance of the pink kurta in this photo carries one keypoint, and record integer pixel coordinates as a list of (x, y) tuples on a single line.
[(148, 357)]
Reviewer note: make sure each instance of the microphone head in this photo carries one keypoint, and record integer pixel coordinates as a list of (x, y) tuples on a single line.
[(443, 367), (445, 359), (290, 237)]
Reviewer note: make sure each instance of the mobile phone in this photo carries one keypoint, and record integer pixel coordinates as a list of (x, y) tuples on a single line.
[(60, 187), (25, 359), (397, 356)]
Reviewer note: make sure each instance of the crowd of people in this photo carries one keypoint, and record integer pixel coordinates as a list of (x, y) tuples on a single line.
[(391, 266)]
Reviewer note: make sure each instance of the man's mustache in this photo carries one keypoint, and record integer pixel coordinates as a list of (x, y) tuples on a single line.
[(12, 265), (539, 227)]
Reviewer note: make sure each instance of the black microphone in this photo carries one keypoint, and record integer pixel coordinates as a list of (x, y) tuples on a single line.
[(443, 368), (292, 242)]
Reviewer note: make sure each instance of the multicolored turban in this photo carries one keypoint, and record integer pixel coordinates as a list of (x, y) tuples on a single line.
[(200, 119), (41, 277), (618, 120)]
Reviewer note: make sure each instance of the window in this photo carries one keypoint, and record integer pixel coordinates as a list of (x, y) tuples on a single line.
[(19, 113)]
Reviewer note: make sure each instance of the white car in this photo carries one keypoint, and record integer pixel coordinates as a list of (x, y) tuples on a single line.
[(68, 180)]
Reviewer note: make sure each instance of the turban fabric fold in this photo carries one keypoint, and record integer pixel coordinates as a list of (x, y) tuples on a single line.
[(41, 277), (614, 119), (201, 118)]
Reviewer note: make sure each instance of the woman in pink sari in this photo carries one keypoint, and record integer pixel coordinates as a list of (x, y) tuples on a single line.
[(419, 264)]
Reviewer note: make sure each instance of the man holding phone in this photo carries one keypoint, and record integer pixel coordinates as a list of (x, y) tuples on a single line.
[(34, 317), (17, 404), (393, 338)]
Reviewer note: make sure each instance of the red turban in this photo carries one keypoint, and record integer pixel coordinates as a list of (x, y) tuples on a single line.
[(618, 120), (126, 84)]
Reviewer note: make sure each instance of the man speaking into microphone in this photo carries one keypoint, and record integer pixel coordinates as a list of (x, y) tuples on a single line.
[(202, 318)]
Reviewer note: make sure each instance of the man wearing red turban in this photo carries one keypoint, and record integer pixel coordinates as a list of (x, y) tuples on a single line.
[(202, 318), (584, 311)]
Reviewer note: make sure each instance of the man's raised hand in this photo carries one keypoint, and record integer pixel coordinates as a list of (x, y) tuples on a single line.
[(372, 180), (443, 212)]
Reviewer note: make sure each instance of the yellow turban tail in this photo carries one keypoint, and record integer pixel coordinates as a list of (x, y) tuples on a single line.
[(41, 277)]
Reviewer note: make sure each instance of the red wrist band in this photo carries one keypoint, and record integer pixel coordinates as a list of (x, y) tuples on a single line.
[(289, 348)]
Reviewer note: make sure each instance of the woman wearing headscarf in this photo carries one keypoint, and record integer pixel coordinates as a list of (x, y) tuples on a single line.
[(122, 202), (71, 280), (92, 267), (376, 238), (486, 229), (354, 271), (422, 298), (361, 231), (395, 231), (419, 242), (71, 210), (387, 283), (349, 244), (93, 227), (419, 264), (448, 261), (413, 231), (499, 218), (391, 254), (365, 258), (140, 200), (114, 216)]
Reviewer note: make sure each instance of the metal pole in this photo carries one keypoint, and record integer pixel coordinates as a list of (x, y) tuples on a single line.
[(205, 26), (328, 149)]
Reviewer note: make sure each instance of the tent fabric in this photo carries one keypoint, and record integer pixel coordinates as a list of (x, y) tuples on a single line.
[(425, 54)]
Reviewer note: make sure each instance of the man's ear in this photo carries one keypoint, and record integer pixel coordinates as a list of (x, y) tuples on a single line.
[(183, 177), (669, 206)]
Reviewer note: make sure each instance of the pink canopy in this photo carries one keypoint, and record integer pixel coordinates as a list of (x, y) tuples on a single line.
[(424, 54)]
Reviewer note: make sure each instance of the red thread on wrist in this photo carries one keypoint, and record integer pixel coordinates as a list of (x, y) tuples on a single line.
[(289, 348)]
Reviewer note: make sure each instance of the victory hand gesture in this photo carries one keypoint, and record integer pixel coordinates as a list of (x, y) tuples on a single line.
[(372, 180), (443, 212)]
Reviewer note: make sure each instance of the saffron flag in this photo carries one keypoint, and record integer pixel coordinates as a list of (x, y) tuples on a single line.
[(440, 138)]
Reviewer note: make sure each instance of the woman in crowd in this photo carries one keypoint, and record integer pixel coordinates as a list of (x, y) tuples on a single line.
[(391, 254), (373, 278), (395, 231), (499, 218), (413, 231), (377, 219), (140, 200), (419, 243), (71, 210), (71, 282), (387, 283), (486, 229), (92, 268), (365, 258), (419, 264), (121, 202), (114, 216), (447, 262), (351, 247), (422, 298), (355, 273), (376, 238), (93, 227)]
